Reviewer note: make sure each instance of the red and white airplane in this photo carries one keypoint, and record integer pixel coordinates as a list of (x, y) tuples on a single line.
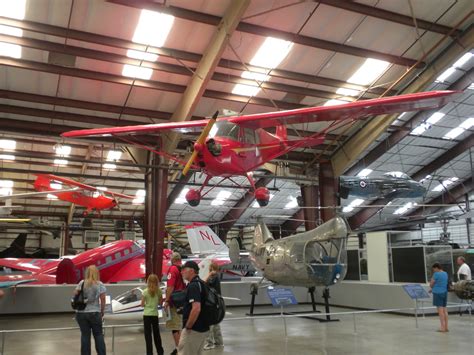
[(237, 145)]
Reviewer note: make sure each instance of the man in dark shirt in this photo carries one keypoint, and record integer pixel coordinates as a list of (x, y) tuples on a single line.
[(195, 328), (215, 335)]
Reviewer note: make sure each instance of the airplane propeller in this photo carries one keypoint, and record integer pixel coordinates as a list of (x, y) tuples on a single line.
[(200, 141)]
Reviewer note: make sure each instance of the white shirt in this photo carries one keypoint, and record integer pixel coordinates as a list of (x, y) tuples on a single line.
[(464, 269)]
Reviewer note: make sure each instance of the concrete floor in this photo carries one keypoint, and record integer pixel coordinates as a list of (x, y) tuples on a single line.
[(375, 334)]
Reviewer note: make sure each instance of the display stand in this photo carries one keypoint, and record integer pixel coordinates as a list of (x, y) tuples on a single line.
[(416, 292)]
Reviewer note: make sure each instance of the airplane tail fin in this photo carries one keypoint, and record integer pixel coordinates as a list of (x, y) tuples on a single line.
[(16, 248), (203, 240), (262, 234)]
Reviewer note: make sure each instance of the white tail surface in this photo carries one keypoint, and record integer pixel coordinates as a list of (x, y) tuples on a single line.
[(203, 240)]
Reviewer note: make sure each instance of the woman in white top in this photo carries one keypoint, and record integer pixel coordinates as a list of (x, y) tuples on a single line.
[(90, 319)]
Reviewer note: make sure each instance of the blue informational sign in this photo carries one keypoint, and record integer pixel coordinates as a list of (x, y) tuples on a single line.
[(282, 296), (416, 291)]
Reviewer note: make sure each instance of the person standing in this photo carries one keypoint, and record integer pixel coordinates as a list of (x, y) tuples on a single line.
[(174, 283), (151, 298), (215, 335), (90, 318), (464, 271), (439, 288), (195, 328)]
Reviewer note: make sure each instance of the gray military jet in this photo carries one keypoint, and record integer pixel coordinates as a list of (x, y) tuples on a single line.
[(391, 185)]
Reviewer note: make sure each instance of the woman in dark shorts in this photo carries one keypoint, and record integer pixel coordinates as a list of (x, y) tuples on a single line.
[(439, 288)]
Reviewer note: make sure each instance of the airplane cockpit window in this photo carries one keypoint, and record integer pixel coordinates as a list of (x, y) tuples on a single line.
[(130, 296), (397, 174), (225, 129), (249, 136)]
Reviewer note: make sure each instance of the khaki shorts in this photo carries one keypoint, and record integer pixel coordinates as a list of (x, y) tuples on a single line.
[(176, 321)]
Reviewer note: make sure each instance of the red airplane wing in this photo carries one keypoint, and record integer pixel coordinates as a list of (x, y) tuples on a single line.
[(117, 194), (353, 110), (36, 279), (133, 270), (31, 265)]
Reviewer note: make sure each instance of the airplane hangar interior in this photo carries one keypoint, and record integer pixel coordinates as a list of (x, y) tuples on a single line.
[(310, 161)]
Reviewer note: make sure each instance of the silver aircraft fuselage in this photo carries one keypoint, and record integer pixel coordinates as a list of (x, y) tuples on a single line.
[(313, 258)]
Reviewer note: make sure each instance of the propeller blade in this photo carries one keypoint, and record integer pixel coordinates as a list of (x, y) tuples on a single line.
[(200, 140)]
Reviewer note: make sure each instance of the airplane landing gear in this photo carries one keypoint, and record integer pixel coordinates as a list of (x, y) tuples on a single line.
[(326, 307)]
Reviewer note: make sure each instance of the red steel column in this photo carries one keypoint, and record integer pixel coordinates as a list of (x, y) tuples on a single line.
[(327, 191)]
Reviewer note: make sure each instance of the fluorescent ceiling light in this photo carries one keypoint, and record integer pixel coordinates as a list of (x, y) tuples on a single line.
[(454, 133), (56, 186), (51, 197), (149, 57), (245, 90), (114, 155), (334, 102), (256, 205), (7, 144), (62, 150), (467, 124), (61, 162), (153, 28), (181, 199), (133, 71), (445, 183), (405, 208), (435, 117), (446, 74), (420, 129), (347, 92), (463, 60), (6, 183), (7, 157), (109, 166), (13, 9), (368, 72), (364, 172), (271, 53), (221, 197), (292, 203)]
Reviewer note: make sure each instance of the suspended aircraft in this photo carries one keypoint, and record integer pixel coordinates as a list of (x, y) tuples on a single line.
[(390, 185), (237, 145)]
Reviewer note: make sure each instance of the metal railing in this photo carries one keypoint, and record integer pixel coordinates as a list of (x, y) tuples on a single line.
[(281, 315)]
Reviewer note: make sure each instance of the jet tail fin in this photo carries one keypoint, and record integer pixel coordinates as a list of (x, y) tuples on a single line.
[(203, 240), (262, 234)]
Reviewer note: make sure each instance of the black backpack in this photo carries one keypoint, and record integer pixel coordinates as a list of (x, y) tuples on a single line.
[(213, 305), (78, 302)]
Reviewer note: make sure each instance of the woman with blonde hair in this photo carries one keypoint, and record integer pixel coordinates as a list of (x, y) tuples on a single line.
[(90, 318), (151, 298)]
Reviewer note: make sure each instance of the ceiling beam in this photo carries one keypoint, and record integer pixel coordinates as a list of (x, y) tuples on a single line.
[(359, 142), (181, 183), (180, 55), (405, 130), (363, 215), (253, 29), (390, 16)]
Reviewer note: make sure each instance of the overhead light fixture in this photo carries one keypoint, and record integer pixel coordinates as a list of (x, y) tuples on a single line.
[(405, 208), (139, 197), (60, 162), (12, 9), (62, 150), (7, 157), (221, 197), (435, 117), (364, 172), (293, 203), (445, 75), (444, 184), (463, 60), (7, 144), (270, 54), (153, 28), (256, 205), (133, 71), (109, 166), (181, 199)]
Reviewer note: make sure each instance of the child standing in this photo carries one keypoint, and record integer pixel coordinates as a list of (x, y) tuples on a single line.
[(151, 298)]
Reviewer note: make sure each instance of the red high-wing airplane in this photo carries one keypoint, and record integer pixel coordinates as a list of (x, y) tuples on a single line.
[(237, 145), (84, 195)]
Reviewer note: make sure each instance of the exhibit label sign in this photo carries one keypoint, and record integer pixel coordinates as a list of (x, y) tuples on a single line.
[(282, 296)]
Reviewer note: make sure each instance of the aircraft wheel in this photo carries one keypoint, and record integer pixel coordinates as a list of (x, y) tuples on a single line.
[(262, 194), (193, 197)]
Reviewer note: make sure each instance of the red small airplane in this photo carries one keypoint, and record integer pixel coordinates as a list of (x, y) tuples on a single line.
[(81, 194), (237, 145)]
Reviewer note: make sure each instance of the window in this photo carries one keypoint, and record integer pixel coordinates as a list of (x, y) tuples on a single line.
[(249, 136), (225, 129)]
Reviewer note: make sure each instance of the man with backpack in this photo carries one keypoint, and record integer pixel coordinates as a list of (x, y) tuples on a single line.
[(213, 281), (195, 324)]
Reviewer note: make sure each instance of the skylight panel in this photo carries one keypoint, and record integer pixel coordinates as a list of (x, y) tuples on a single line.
[(7, 157), (62, 150), (7, 144), (445, 75), (334, 102), (56, 186), (149, 57), (51, 197), (153, 28), (133, 71), (6, 187), (454, 133), (444, 184), (109, 166), (12, 9), (420, 129), (405, 208), (364, 172), (245, 90), (352, 205), (139, 197), (435, 117), (467, 124), (114, 155), (463, 60), (347, 92), (181, 199), (221, 197), (368, 72), (293, 203), (60, 162)]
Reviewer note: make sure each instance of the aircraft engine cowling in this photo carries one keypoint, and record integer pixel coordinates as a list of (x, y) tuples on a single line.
[(262, 195), (193, 197)]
